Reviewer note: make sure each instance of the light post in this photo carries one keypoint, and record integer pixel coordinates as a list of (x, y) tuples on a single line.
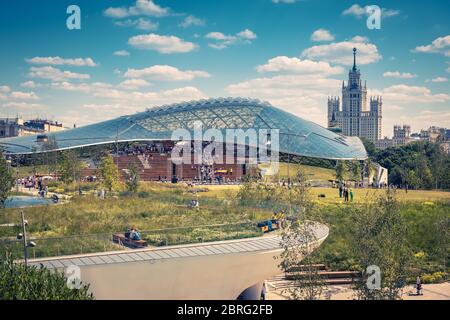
[(23, 236)]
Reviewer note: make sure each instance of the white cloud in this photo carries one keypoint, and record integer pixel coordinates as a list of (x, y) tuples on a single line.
[(222, 40), (357, 11), (140, 24), (55, 74), (30, 84), (342, 52), (322, 35), (192, 21), (302, 95), (296, 65), (220, 36), (440, 45), (125, 102), (403, 94), (161, 44), (431, 117), (58, 61), (19, 95), (81, 87), (22, 105), (247, 35), (360, 39), (121, 53), (399, 75), (438, 80), (134, 84), (166, 73), (152, 98), (5, 89), (141, 8)]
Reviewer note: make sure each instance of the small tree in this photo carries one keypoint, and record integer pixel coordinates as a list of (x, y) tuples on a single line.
[(379, 239), (6, 179), (298, 241), (70, 167), (18, 282), (109, 173), (132, 178), (355, 170), (340, 170)]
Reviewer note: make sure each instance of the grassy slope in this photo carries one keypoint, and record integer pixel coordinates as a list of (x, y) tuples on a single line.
[(313, 173)]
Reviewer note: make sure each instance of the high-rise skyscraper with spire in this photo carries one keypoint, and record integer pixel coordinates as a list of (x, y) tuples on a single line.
[(354, 117)]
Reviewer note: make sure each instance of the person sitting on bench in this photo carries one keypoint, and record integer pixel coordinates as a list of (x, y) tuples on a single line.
[(135, 234)]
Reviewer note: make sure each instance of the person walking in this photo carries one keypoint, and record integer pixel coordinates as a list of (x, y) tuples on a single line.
[(419, 286), (340, 190), (351, 195), (263, 291)]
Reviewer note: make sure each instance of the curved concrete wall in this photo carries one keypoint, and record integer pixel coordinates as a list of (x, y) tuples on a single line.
[(220, 275)]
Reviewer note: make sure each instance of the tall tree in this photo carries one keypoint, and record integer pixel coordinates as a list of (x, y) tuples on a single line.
[(6, 179), (132, 177), (438, 165), (109, 173), (340, 170), (355, 170), (298, 241), (70, 166), (379, 241)]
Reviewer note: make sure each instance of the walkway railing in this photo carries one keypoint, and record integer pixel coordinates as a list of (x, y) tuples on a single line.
[(96, 243)]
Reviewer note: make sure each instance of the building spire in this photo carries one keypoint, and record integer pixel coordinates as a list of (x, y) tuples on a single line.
[(354, 59)]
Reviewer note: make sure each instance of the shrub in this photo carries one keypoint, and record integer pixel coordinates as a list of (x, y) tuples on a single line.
[(18, 282), (436, 277)]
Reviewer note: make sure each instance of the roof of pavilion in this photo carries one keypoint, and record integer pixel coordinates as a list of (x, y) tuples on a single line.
[(296, 135)]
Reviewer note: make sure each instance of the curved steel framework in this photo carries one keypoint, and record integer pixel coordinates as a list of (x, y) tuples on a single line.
[(297, 136)]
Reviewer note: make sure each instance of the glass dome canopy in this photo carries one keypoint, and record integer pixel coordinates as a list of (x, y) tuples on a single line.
[(297, 136)]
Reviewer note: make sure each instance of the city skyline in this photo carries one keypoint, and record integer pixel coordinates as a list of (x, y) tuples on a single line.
[(130, 55)]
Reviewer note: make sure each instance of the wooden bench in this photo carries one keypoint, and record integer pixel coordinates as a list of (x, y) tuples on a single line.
[(120, 239)]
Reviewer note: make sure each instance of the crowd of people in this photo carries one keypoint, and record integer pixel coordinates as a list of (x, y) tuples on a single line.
[(145, 149), (34, 183)]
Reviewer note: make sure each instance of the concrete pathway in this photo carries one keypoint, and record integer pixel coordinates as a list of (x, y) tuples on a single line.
[(439, 291)]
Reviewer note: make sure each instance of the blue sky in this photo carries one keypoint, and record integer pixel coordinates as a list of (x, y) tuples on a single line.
[(131, 54)]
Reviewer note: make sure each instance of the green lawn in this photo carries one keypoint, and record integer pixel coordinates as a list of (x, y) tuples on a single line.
[(161, 206), (312, 173)]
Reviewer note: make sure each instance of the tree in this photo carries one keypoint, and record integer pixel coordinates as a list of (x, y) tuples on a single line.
[(370, 147), (298, 241), (438, 166), (443, 241), (109, 173), (132, 177), (411, 179), (355, 170), (18, 282), (6, 179), (370, 168), (340, 170), (70, 167), (379, 238)]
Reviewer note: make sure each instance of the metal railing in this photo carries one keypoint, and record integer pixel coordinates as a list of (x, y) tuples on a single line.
[(95, 243)]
